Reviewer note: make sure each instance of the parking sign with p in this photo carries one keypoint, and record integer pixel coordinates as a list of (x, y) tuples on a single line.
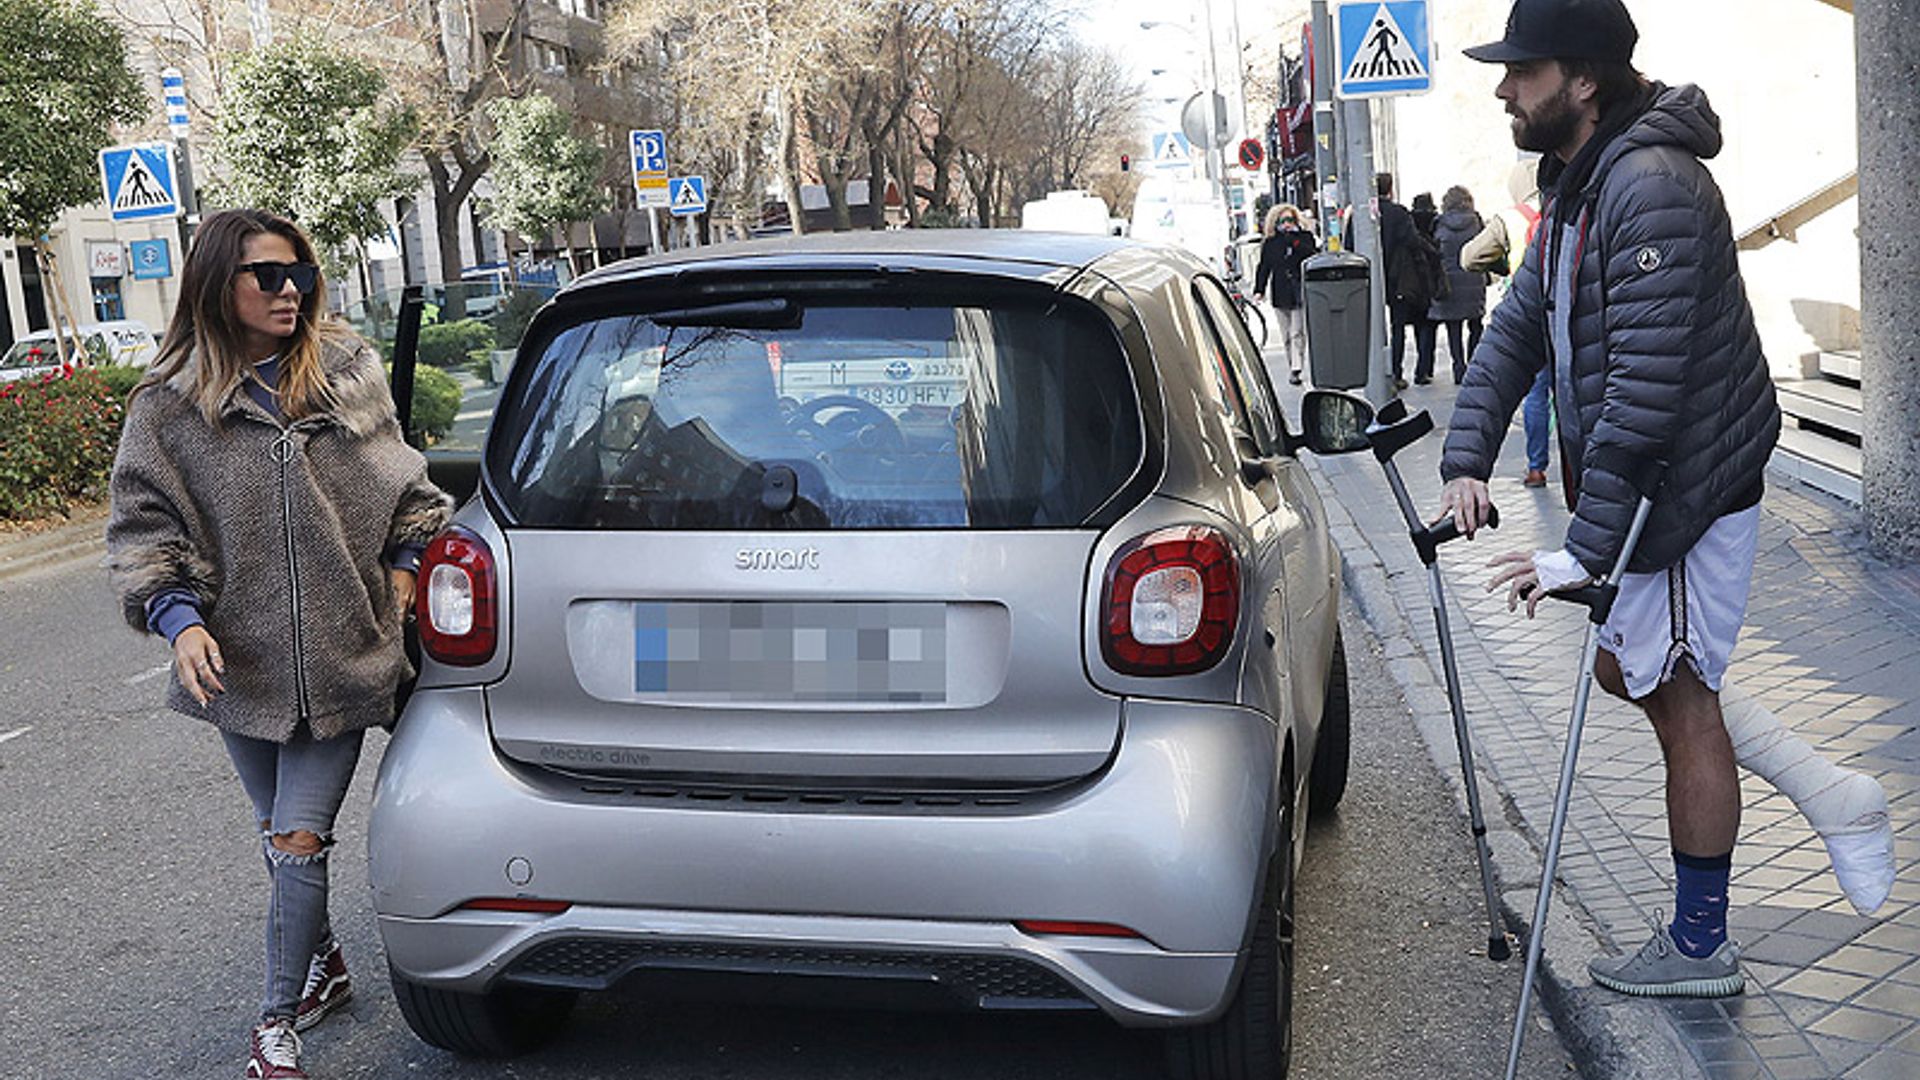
[(650, 168)]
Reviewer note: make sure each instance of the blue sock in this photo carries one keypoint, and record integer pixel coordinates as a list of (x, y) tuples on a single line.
[(1700, 902)]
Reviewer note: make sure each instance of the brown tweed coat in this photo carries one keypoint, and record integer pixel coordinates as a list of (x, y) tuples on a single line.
[(280, 531)]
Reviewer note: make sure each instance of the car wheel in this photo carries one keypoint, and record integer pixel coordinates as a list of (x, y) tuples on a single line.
[(1327, 781), (1253, 1038), (500, 1023)]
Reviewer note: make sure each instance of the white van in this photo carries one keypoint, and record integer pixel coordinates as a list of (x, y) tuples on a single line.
[(1068, 212), (1187, 214), (120, 341)]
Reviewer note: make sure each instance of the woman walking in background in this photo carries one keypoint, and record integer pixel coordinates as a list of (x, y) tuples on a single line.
[(1288, 244), (267, 519), (1466, 298)]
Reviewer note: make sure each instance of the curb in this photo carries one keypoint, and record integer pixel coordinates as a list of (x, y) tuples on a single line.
[(1611, 1037), (80, 536)]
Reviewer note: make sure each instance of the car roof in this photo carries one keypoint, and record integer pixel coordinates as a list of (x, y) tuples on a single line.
[(1001, 252)]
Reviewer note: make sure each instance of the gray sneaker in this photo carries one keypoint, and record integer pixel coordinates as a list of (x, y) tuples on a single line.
[(1660, 969)]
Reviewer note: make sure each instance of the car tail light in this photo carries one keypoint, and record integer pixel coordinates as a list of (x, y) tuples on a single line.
[(1170, 602), (456, 601)]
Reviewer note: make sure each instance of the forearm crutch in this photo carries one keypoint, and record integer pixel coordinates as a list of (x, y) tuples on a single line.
[(1598, 599), (1395, 432)]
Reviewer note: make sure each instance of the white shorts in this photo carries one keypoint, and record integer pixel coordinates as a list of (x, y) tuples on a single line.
[(1692, 610)]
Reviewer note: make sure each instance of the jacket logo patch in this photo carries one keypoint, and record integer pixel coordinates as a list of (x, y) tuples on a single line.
[(1649, 259)]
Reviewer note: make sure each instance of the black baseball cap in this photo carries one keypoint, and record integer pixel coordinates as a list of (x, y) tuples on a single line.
[(1563, 30)]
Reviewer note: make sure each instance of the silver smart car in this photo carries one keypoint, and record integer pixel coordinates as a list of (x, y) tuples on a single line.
[(946, 613)]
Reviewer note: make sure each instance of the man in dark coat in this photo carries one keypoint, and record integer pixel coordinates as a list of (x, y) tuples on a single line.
[(1399, 241), (1631, 294)]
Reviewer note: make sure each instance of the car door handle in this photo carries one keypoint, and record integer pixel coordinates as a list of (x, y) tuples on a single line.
[(1271, 640)]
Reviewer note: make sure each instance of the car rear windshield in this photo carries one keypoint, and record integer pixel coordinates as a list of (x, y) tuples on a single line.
[(822, 414)]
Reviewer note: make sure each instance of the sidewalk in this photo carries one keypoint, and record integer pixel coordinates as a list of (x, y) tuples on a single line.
[(24, 549), (1832, 644)]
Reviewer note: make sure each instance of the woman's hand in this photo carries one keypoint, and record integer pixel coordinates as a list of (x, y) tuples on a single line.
[(197, 663), (402, 582)]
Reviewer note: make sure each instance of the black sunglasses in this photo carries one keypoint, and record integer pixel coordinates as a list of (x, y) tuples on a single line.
[(273, 276)]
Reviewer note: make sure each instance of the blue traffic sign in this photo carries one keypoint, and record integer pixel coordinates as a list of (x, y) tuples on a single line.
[(139, 181), (687, 195), (152, 259), (1171, 150), (1382, 47)]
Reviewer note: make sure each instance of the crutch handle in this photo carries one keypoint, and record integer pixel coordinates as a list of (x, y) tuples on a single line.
[(1428, 538), (1596, 598)]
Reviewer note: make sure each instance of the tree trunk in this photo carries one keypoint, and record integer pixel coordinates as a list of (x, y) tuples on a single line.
[(903, 169), (876, 184), (790, 159), (56, 299), (449, 195), (941, 156)]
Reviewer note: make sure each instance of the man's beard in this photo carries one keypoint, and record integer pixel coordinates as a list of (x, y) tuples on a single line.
[(1552, 126)]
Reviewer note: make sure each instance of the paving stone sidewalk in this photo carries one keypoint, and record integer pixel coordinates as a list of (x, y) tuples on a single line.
[(1831, 643)]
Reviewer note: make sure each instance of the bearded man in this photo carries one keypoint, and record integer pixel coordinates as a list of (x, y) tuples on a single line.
[(1631, 296)]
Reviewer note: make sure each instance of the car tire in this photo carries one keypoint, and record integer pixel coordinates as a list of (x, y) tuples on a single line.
[(1327, 780), (499, 1023), (1253, 1038)]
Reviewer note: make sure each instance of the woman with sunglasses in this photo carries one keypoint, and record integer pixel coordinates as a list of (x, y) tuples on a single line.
[(267, 519)]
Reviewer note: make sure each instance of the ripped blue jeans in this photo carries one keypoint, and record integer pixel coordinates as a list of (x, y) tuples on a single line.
[(295, 786)]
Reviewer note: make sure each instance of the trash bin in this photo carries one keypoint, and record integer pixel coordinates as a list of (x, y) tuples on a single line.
[(1338, 290)]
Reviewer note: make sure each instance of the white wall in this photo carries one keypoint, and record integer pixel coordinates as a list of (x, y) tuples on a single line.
[(1779, 72)]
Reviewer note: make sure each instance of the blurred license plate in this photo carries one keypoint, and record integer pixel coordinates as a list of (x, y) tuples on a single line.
[(784, 651)]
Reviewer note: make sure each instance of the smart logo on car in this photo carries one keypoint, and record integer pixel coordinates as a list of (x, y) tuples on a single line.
[(806, 558)]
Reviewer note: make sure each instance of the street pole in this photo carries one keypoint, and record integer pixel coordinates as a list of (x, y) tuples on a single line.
[(1216, 166), (1356, 122), (173, 94), (1324, 171), (1886, 39)]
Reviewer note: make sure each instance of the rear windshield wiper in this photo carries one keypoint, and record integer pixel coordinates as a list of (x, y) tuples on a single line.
[(772, 313)]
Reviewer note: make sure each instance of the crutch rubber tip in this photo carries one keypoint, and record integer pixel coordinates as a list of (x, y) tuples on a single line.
[(1497, 949)]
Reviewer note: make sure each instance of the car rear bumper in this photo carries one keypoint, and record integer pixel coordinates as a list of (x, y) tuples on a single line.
[(1168, 841)]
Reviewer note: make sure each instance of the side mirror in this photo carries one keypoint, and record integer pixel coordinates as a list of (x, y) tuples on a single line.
[(1334, 423)]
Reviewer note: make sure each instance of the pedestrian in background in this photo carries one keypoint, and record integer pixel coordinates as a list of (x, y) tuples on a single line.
[(1499, 249), (1631, 294), (1423, 283), (1288, 244), (267, 518), (1465, 302), (1400, 258)]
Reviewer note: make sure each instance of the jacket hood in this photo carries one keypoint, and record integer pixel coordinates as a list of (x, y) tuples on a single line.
[(1461, 221), (1679, 116)]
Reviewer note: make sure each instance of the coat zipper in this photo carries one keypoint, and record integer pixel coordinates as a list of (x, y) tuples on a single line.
[(284, 450)]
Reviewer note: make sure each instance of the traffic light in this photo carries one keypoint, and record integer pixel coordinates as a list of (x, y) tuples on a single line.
[(1126, 162)]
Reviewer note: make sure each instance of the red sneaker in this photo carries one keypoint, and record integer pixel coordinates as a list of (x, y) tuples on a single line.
[(327, 987), (1535, 478), (275, 1052)]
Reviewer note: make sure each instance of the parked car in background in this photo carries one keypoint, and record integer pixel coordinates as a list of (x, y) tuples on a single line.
[(121, 341), (933, 617)]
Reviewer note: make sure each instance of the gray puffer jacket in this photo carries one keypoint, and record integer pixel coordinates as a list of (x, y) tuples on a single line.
[(1639, 285), (280, 533)]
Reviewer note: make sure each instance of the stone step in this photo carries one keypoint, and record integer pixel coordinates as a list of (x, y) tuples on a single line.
[(1815, 460), (1843, 364), (1828, 403)]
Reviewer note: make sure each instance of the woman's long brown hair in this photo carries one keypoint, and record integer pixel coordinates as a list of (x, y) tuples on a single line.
[(206, 337)]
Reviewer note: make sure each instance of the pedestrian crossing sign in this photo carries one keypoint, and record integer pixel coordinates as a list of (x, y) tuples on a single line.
[(1171, 150), (1384, 47), (687, 195), (139, 181)]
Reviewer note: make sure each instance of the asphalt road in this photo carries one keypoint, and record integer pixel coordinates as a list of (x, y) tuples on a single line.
[(133, 894)]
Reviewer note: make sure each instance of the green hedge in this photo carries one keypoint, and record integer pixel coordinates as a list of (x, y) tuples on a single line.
[(446, 345), (57, 438), (436, 401)]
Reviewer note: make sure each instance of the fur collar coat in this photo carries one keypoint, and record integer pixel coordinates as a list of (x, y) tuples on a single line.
[(281, 531)]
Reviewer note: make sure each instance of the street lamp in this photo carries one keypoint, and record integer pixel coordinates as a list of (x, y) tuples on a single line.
[(1216, 166)]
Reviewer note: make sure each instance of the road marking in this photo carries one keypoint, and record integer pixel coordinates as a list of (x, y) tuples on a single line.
[(145, 675), (12, 735)]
